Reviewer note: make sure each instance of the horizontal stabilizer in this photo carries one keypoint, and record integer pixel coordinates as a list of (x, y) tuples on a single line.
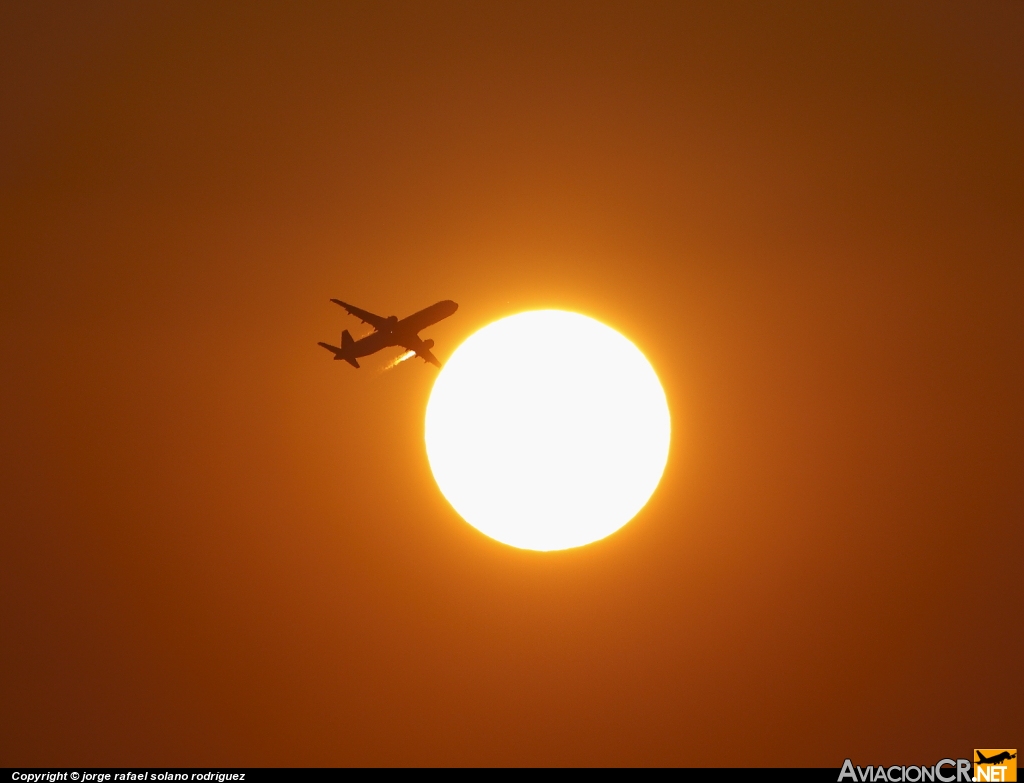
[(339, 353), (330, 348)]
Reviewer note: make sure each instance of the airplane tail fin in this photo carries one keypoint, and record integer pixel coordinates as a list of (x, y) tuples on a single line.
[(346, 343), (339, 353), (981, 757)]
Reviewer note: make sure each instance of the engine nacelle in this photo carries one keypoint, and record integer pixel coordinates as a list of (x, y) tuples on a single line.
[(392, 320), (428, 344)]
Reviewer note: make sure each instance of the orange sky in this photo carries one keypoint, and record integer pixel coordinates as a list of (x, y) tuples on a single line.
[(220, 547)]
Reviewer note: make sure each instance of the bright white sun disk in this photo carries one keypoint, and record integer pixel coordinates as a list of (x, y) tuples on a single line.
[(547, 430)]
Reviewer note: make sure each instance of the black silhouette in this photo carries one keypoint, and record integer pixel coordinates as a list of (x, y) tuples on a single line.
[(996, 759), (390, 331)]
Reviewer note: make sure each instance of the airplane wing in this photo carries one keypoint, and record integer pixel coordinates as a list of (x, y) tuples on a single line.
[(422, 349), (427, 356), (376, 321)]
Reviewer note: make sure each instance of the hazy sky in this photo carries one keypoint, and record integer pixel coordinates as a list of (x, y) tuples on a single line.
[(221, 547)]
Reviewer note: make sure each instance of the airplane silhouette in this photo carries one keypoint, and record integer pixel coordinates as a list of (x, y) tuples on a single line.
[(996, 759), (391, 331)]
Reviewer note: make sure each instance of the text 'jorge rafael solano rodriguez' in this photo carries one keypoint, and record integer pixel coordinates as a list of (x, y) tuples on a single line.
[(127, 777)]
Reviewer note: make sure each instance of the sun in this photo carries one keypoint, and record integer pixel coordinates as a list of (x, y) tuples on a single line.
[(547, 430)]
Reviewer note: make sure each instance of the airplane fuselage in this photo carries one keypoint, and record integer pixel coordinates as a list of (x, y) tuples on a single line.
[(404, 331)]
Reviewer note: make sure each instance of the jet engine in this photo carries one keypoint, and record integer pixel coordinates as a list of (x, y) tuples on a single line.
[(392, 320), (428, 344)]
